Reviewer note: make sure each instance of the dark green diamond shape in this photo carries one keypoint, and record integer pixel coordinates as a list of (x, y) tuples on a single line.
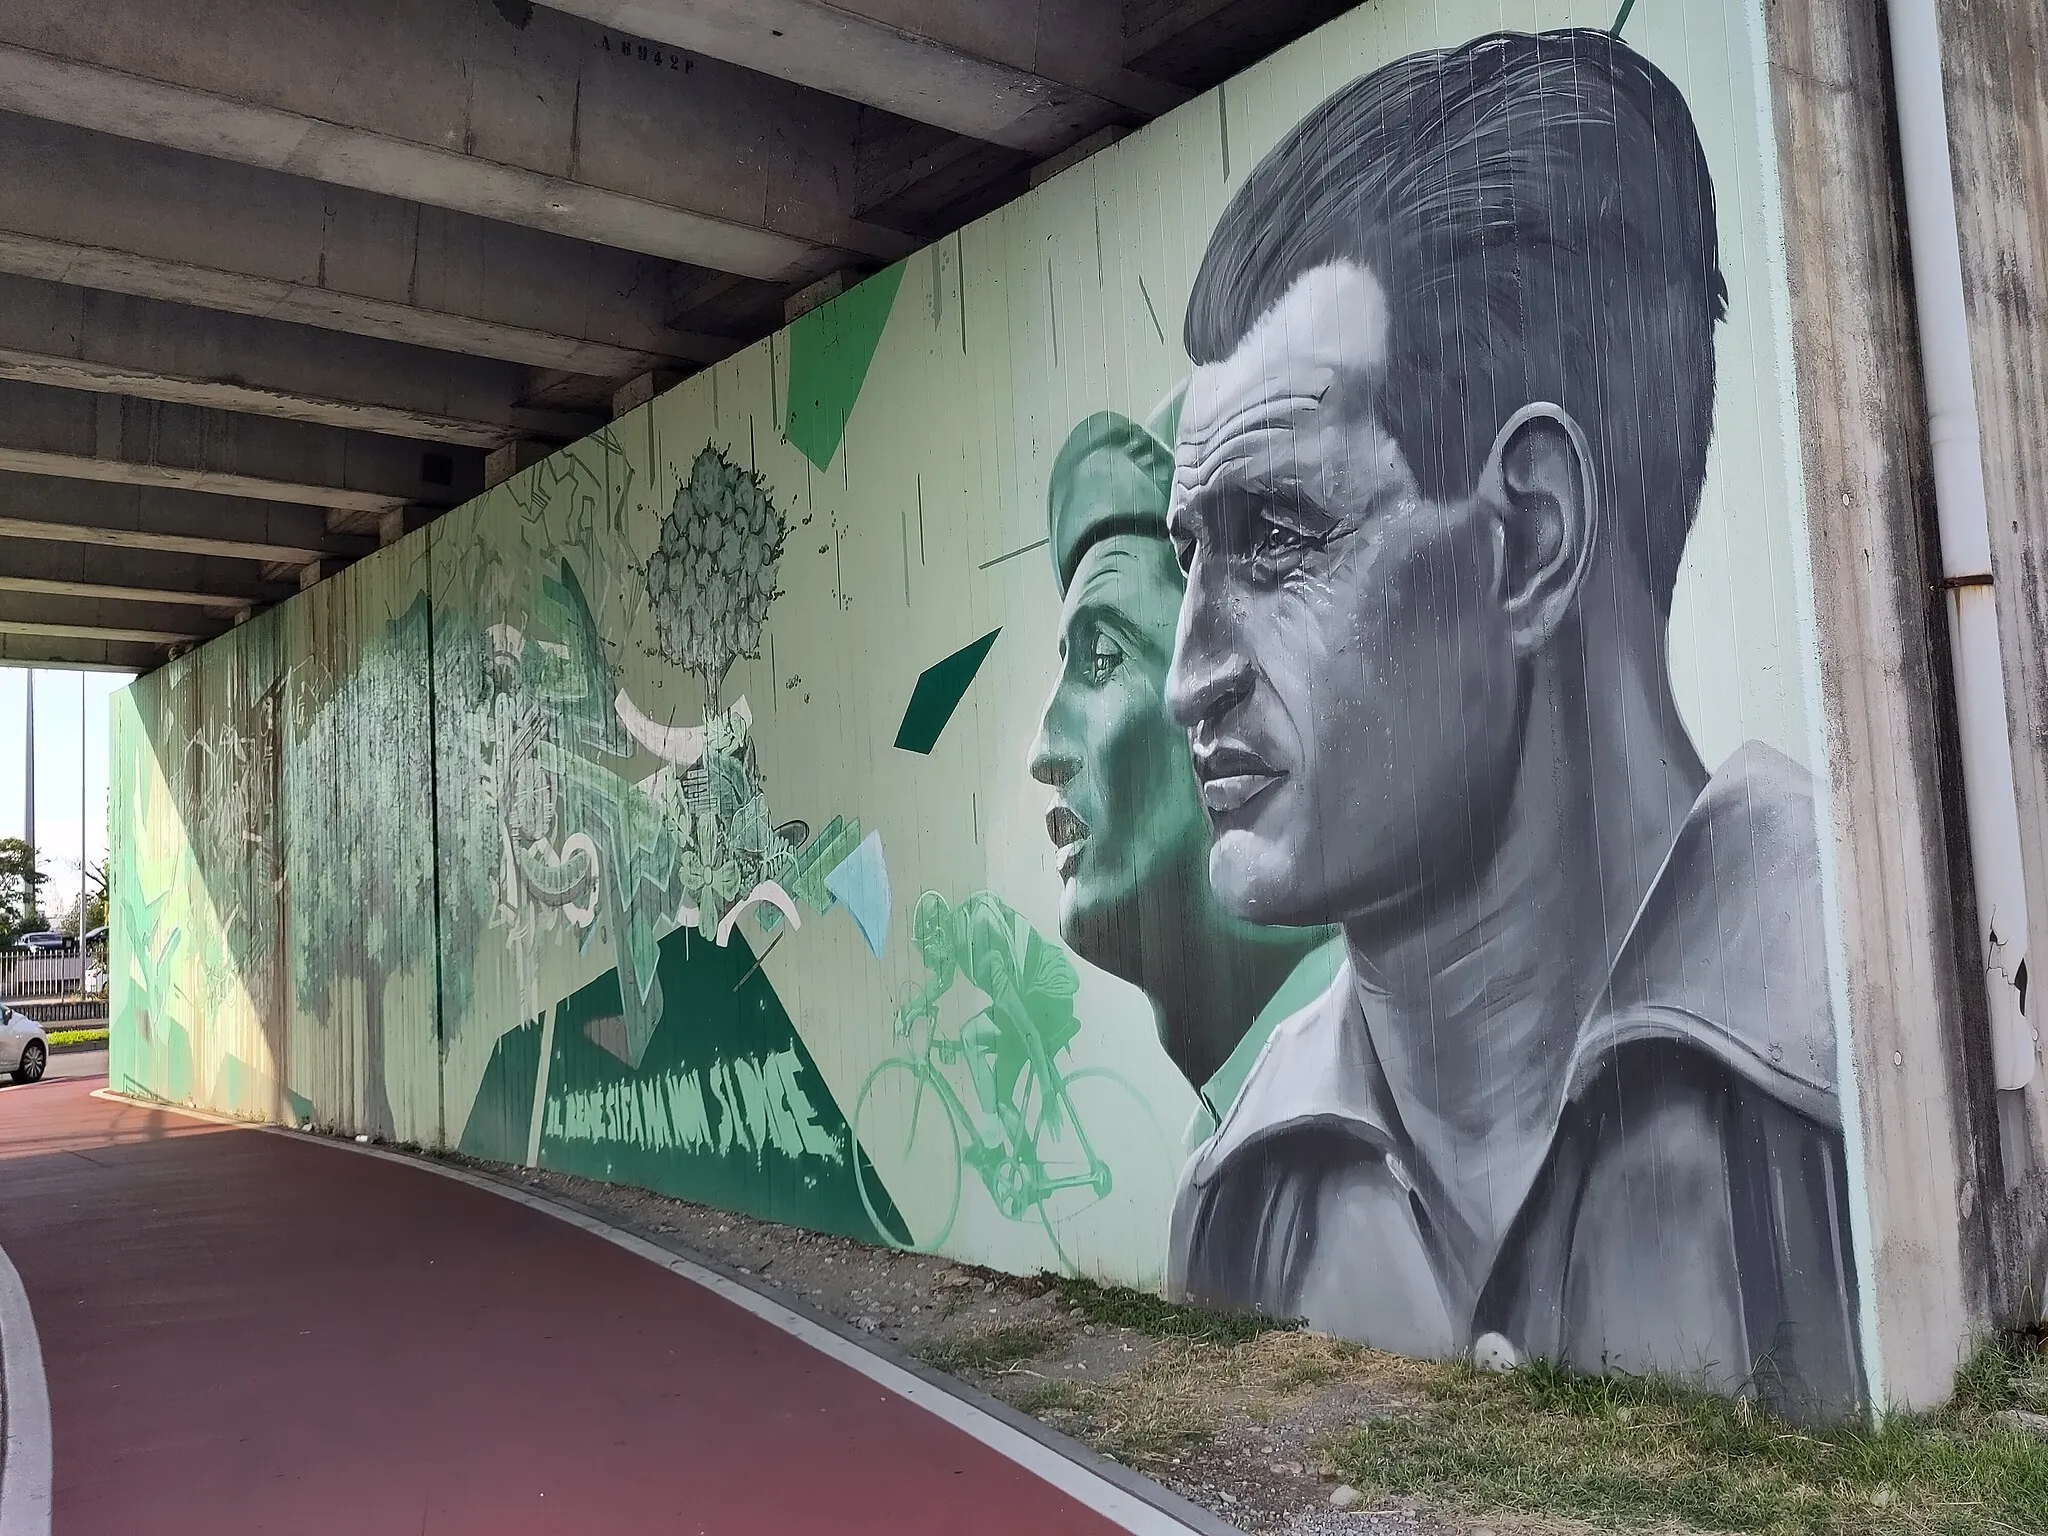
[(940, 688)]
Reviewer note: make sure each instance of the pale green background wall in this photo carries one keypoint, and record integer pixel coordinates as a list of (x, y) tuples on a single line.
[(998, 341)]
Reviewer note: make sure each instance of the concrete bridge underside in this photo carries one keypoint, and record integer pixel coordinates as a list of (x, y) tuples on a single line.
[(281, 282)]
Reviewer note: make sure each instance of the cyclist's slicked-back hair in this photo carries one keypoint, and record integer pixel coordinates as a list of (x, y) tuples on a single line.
[(1539, 212)]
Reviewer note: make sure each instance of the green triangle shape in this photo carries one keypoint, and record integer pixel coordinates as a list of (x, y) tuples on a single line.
[(940, 688), (829, 352)]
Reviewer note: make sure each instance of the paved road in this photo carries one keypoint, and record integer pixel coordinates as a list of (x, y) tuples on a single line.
[(67, 1065), (246, 1332)]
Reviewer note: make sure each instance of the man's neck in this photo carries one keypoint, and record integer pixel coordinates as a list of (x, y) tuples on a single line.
[(1220, 979), (1475, 1006)]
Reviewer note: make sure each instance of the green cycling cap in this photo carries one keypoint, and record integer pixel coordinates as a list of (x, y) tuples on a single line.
[(1113, 475)]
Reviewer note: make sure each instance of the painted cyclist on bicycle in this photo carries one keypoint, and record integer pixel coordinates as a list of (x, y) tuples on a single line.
[(1030, 986)]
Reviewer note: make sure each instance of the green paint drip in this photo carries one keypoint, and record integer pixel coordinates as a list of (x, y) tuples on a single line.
[(940, 688), (829, 352)]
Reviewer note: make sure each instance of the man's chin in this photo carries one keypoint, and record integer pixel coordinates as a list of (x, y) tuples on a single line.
[(1096, 925), (1259, 882)]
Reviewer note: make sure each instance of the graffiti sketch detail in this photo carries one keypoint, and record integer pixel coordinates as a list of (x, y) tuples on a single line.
[(713, 575)]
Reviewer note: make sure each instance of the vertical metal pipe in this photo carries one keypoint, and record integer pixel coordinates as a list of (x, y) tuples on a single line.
[(28, 775), (1992, 811)]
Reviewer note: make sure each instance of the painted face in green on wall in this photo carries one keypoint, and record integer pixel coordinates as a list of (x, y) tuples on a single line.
[(1126, 819)]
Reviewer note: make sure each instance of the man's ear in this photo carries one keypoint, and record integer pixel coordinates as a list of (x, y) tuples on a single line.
[(1539, 480)]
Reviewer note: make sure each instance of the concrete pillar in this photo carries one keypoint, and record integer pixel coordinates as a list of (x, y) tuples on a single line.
[(1917, 1044), (501, 464), (823, 291), (637, 391)]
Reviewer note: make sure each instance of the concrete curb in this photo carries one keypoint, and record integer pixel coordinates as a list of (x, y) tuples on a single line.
[(1116, 1492), (25, 1450)]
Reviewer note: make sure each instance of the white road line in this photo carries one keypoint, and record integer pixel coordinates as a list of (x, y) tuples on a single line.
[(25, 1408), (1118, 1505)]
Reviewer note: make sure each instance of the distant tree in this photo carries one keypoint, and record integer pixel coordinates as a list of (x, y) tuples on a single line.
[(93, 897), (21, 888), (96, 889)]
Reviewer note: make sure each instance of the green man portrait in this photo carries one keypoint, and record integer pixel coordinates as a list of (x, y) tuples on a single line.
[(1126, 821)]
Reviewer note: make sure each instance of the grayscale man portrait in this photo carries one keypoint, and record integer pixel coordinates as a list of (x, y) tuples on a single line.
[(1572, 1093)]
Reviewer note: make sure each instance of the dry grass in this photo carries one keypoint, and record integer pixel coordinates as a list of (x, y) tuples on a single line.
[(989, 1351), (1175, 1398)]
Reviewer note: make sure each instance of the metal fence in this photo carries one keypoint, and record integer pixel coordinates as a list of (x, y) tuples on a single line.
[(61, 986)]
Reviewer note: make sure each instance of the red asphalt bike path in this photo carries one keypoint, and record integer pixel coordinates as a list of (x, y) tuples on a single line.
[(249, 1332)]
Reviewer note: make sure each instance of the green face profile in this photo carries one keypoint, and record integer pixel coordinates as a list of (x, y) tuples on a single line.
[(1126, 820)]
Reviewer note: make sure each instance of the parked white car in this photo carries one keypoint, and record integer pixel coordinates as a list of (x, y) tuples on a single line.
[(24, 1049)]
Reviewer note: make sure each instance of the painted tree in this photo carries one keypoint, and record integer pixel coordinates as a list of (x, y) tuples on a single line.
[(712, 576), (361, 865)]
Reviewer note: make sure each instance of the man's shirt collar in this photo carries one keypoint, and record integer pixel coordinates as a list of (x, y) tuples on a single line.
[(1726, 956)]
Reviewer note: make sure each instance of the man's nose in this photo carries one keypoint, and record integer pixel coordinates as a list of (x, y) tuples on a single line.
[(1210, 671), (1053, 758)]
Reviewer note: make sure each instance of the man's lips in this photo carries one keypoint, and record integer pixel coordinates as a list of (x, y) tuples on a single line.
[(1232, 776), (1068, 832)]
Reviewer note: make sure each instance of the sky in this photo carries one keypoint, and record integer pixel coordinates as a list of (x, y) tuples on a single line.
[(64, 701)]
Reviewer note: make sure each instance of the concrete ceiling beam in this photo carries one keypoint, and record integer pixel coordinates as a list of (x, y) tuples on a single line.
[(78, 655), (124, 441), (1036, 81), (60, 569), (167, 521), (447, 102), (165, 225), (69, 619), (108, 343)]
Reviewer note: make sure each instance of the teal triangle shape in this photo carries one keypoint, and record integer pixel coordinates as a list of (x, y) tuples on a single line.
[(940, 688), (830, 350)]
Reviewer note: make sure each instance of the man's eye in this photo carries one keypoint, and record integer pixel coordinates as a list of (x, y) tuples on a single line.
[(1272, 542), (1103, 659), (1276, 539), (1183, 552)]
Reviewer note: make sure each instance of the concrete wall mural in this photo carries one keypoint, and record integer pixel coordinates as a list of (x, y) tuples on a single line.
[(1243, 725)]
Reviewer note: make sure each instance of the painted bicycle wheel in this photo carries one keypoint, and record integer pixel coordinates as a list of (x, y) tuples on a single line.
[(904, 1122), (1111, 1220)]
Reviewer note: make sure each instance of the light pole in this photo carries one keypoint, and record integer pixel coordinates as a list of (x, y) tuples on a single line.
[(81, 813), (28, 778), (28, 799)]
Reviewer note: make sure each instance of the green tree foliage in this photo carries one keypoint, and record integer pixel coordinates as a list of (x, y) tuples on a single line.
[(21, 885)]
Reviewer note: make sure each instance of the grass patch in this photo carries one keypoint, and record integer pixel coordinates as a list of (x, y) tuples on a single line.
[(1619, 1452), (1114, 1306), (58, 1037), (991, 1350), (1184, 1389), (1047, 1397)]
